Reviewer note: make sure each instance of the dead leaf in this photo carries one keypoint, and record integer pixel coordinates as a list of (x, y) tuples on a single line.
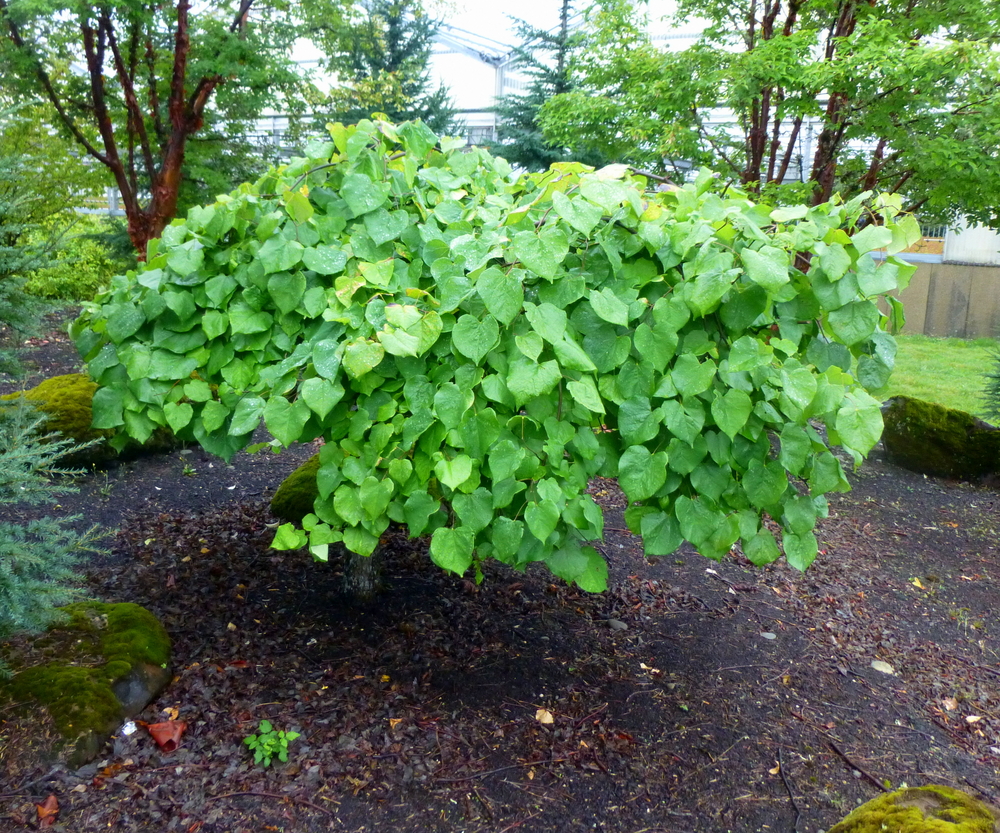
[(884, 667), (544, 716), (973, 718), (776, 769), (394, 722), (79, 788), (47, 811), (950, 703), (916, 583), (171, 713), (167, 735)]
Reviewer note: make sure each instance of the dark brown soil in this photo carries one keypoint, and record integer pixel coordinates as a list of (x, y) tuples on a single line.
[(692, 696)]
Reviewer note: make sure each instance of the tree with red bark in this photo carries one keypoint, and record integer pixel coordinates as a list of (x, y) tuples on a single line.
[(133, 83), (797, 100)]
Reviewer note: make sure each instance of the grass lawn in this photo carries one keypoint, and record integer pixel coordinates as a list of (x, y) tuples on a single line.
[(949, 371)]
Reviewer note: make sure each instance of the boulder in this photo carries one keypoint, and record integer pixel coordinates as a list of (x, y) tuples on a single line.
[(101, 665), (930, 809), (67, 403), (294, 498), (932, 439)]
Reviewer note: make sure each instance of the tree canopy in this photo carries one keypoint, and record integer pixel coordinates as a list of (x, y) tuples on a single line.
[(474, 347), (379, 56), (132, 82), (804, 97), (545, 57)]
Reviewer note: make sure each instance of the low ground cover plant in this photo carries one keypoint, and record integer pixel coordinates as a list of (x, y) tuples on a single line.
[(475, 346), (269, 743)]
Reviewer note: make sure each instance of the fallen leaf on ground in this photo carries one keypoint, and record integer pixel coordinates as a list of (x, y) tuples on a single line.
[(884, 667), (167, 735), (47, 811), (544, 716)]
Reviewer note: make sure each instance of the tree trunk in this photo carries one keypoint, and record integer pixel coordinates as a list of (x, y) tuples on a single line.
[(363, 576)]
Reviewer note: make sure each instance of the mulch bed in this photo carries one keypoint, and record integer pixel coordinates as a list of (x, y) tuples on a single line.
[(691, 696)]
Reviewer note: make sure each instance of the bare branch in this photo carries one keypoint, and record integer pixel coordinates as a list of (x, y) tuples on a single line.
[(789, 149), (136, 122)]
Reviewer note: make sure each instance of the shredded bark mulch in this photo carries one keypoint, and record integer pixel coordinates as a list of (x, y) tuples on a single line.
[(692, 696)]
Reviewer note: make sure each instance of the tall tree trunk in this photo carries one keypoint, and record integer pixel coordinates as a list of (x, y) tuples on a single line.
[(363, 576)]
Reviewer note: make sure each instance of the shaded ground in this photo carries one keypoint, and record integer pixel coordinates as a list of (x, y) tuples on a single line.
[(692, 696)]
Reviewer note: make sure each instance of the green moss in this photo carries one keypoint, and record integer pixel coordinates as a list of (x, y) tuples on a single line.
[(67, 402), (931, 439), (931, 809), (295, 496), (96, 646)]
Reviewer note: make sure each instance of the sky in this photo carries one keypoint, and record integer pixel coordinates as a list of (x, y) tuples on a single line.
[(492, 19)]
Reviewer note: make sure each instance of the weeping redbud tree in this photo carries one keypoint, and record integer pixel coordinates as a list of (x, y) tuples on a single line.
[(474, 347)]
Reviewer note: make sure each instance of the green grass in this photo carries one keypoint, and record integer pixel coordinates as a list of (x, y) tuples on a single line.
[(949, 371)]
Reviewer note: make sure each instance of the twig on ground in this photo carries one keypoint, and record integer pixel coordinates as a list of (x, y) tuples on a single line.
[(788, 789), (499, 769), (583, 720), (978, 667), (870, 778), (514, 824), (991, 796), (269, 795)]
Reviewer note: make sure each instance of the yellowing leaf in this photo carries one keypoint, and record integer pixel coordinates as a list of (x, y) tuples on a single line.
[(544, 716), (916, 583)]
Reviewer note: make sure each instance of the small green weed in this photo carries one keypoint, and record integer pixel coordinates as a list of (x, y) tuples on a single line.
[(269, 743)]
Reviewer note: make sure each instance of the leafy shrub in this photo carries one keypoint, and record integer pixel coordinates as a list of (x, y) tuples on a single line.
[(474, 347), (89, 255), (66, 403)]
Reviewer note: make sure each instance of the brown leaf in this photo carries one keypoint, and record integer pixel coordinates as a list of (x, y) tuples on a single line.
[(167, 735), (47, 811)]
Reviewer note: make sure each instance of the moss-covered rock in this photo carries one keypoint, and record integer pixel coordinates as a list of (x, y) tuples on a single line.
[(931, 439), (294, 498), (930, 809), (102, 664), (67, 402)]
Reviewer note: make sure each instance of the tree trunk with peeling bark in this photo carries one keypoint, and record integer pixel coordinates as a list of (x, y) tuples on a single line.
[(143, 151)]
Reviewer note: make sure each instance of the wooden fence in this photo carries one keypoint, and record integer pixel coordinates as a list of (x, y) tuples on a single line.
[(953, 299)]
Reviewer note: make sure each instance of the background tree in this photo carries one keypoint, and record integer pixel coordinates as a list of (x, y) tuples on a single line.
[(545, 56), (379, 56), (132, 82), (841, 96)]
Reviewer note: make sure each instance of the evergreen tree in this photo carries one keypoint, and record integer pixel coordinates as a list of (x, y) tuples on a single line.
[(37, 559), (381, 59), (545, 57)]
